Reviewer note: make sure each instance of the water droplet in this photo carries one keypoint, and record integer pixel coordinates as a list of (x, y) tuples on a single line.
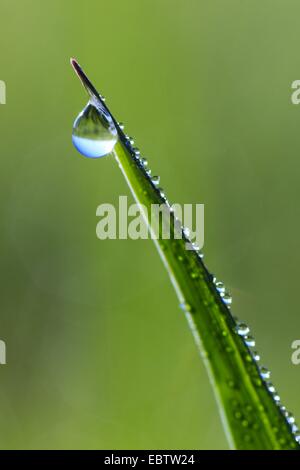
[(94, 133), (195, 246), (276, 397), (131, 140), (121, 126), (242, 329), (270, 387), (155, 180), (185, 307), (227, 299), (136, 151), (297, 436), (289, 417), (186, 231), (265, 373), (294, 428), (161, 192), (256, 356), (250, 341), (148, 172), (220, 286), (144, 161)]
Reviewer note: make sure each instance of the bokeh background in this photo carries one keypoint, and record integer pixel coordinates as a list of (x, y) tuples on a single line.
[(99, 354)]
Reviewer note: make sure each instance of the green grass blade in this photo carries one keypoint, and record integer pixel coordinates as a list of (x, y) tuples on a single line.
[(250, 409), (250, 415)]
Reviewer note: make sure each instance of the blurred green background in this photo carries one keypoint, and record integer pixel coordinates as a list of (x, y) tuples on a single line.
[(99, 354)]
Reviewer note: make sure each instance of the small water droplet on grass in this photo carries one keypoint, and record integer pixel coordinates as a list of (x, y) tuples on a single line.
[(264, 373), (242, 329)]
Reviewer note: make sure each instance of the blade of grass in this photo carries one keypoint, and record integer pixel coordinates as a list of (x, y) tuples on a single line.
[(252, 415)]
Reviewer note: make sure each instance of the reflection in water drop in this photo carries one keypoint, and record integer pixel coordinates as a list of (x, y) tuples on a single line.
[(155, 180), (294, 428), (94, 133), (297, 436), (256, 356), (227, 299), (144, 161), (265, 373), (242, 329), (220, 287), (276, 397), (250, 341), (289, 417), (270, 387)]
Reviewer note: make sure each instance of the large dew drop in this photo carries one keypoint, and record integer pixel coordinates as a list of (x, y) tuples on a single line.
[(94, 133)]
